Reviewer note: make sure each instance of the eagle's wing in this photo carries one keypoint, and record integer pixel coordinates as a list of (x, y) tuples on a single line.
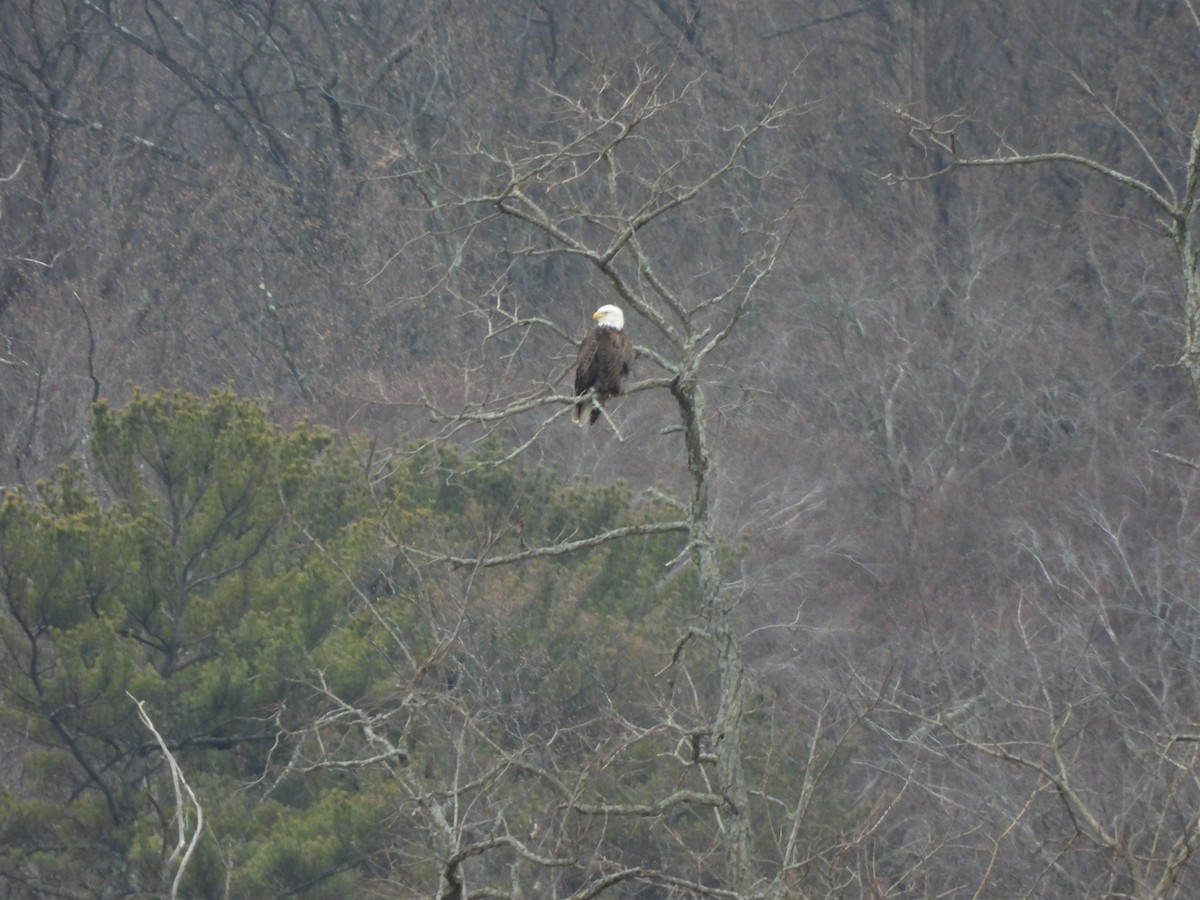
[(628, 354), (586, 363)]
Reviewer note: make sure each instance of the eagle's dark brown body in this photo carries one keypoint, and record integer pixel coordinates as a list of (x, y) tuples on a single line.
[(603, 363)]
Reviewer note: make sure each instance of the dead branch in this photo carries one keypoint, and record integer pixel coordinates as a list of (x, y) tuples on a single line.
[(184, 845), (567, 547)]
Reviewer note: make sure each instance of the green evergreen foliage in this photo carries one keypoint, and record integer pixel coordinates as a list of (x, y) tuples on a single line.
[(206, 584), (307, 646)]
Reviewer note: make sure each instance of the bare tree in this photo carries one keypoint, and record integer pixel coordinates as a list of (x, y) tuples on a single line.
[(638, 167), (1066, 748), (1171, 186), (1067, 704)]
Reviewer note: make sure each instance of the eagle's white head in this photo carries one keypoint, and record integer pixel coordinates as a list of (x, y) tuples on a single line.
[(609, 316)]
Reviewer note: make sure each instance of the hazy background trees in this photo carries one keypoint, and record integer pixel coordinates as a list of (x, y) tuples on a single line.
[(945, 435)]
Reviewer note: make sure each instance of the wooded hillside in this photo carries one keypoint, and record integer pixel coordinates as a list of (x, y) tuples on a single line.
[(881, 581)]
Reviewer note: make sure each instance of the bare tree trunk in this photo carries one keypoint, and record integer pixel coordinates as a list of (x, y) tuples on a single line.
[(727, 736)]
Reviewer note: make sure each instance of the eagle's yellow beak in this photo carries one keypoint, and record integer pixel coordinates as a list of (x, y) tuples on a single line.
[(596, 315)]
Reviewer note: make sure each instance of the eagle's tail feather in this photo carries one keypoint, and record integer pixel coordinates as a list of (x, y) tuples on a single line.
[(577, 414)]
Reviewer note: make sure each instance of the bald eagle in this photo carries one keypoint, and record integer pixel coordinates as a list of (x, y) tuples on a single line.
[(603, 362)]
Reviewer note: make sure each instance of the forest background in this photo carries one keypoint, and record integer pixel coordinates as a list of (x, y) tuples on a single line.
[(882, 581)]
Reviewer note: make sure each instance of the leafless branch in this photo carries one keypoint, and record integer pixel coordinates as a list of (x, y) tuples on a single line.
[(184, 845), (567, 547), (649, 809)]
